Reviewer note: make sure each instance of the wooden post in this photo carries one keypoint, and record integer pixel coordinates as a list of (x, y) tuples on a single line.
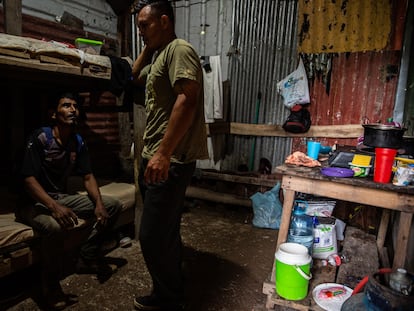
[(13, 17), (139, 127)]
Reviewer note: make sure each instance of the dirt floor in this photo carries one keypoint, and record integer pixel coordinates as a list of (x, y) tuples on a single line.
[(226, 260)]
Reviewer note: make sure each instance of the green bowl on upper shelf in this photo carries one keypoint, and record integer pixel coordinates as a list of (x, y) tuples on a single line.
[(88, 45)]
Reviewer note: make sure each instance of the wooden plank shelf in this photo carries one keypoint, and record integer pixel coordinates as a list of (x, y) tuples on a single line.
[(50, 61)]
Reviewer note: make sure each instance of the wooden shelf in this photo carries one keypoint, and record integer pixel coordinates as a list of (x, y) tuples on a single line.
[(28, 60)]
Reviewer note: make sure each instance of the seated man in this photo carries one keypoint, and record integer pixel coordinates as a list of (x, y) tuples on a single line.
[(53, 154)]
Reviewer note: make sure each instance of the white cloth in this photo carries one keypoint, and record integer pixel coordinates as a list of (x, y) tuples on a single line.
[(213, 90), (209, 163)]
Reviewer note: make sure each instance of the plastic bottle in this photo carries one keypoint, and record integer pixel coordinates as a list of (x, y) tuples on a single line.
[(401, 282), (301, 229)]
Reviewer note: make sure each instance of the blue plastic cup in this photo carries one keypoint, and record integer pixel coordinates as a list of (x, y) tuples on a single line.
[(313, 149)]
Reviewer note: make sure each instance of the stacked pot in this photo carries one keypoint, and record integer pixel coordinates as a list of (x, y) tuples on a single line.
[(386, 139)]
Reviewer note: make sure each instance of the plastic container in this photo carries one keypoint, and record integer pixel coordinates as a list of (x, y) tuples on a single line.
[(313, 149), (379, 297), (404, 175), (384, 159), (301, 229), (88, 45), (325, 243), (292, 273), (360, 170), (401, 282)]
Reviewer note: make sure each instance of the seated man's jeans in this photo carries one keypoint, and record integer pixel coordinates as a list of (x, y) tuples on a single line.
[(39, 217)]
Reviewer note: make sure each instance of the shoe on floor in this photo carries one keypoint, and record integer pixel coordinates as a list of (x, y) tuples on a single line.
[(125, 242), (151, 302), (102, 270), (84, 266), (54, 297)]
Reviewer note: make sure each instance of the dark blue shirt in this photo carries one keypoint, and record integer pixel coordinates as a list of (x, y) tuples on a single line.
[(52, 163)]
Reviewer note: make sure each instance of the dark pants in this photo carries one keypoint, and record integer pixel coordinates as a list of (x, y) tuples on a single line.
[(40, 218), (160, 229)]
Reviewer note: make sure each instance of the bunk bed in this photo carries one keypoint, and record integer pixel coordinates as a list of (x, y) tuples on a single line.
[(26, 60)]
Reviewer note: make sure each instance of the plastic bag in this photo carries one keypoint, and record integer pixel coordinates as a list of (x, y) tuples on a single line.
[(267, 208), (324, 243), (294, 88)]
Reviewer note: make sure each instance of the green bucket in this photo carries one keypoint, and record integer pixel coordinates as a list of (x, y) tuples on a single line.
[(292, 271)]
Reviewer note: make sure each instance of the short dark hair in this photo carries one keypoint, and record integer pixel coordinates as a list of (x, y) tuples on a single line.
[(160, 7), (54, 102)]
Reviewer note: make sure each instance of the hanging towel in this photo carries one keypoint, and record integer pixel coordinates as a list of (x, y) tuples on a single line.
[(213, 90)]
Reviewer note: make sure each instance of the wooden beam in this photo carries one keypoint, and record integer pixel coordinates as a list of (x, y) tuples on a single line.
[(13, 17), (246, 129), (327, 131), (260, 180), (139, 121), (209, 195)]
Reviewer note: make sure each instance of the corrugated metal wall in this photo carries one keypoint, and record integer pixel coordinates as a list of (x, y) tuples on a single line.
[(263, 49), (257, 42), (207, 25), (264, 52), (97, 15)]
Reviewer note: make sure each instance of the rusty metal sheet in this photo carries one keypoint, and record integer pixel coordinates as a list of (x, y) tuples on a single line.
[(362, 86), (344, 26)]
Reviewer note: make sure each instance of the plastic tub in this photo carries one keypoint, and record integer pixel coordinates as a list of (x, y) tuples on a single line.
[(360, 170), (88, 45)]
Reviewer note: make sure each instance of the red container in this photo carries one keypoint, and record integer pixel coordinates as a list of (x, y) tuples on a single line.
[(384, 159)]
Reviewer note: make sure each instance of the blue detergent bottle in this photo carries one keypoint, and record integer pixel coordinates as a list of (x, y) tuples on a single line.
[(301, 228)]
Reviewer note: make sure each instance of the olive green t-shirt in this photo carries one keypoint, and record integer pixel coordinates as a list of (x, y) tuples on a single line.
[(176, 61)]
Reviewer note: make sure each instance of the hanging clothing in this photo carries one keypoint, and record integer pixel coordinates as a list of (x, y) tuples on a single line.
[(213, 89)]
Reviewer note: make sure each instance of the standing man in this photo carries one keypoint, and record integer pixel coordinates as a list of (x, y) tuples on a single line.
[(174, 138), (52, 154)]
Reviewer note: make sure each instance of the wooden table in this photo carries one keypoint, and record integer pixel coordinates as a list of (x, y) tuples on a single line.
[(358, 190)]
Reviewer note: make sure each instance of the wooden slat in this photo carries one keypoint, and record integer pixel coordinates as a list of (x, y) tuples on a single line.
[(383, 228), (209, 195), (262, 180), (14, 53), (37, 65), (327, 131), (61, 67), (54, 60), (402, 239)]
